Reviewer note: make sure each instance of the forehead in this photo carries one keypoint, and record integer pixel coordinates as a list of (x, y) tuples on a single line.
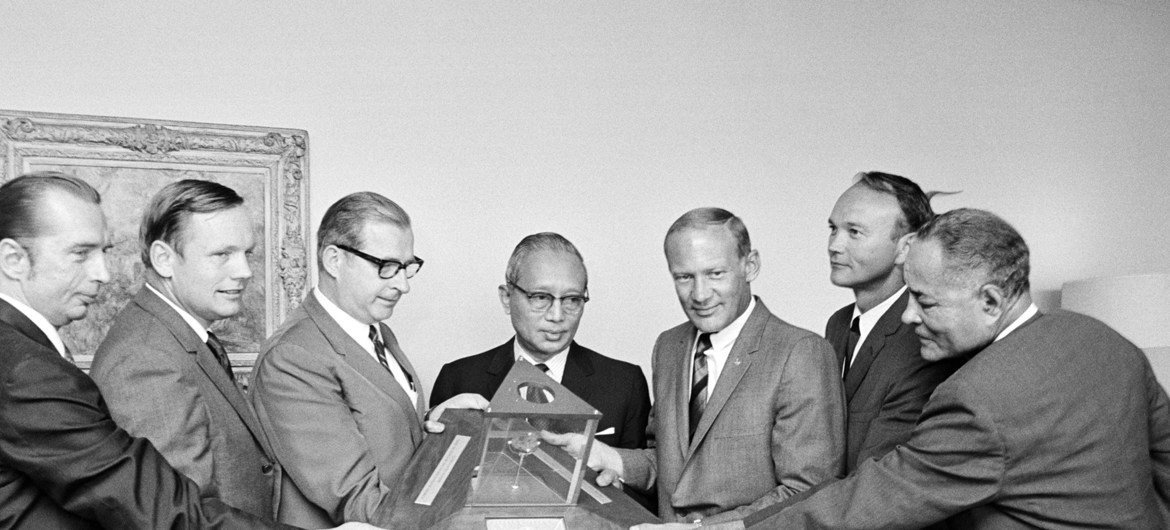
[(860, 204), (229, 223), (65, 216), (552, 269), (925, 269), (387, 240), (696, 247)]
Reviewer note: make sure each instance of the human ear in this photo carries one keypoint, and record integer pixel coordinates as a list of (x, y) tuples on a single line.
[(903, 247), (505, 299), (331, 261), (162, 259), (992, 300), (14, 262), (752, 265)]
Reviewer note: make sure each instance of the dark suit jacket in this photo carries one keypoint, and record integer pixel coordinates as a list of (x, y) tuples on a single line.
[(65, 465), (774, 423), (1060, 424), (616, 388), (162, 383), (342, 426), (887, 385)]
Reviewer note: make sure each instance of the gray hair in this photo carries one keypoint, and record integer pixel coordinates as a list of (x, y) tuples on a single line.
[(345, 219), (979, 241), (544, 241)]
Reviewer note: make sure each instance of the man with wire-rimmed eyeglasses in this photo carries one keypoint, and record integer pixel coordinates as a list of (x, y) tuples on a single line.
[(545, 291), (341, 402)]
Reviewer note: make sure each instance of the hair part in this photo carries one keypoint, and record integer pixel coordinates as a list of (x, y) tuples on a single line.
[(705, 218), (541, 242), (23, 197), (345, 219), (167, 216), (912, 201), (979, 241)]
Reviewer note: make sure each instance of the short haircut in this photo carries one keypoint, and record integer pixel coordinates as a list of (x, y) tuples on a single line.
[(544, 241), (169, 211), (914, 203), (22, 197), (977, 240), (345, 219), (703, 218)]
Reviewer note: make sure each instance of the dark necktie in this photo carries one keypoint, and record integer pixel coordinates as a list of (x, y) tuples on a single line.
[(699, 381), (380, 352), (543, 367), (220, 354), (851, 344)]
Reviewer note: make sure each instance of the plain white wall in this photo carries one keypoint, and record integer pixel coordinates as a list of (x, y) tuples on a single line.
[(606, 120)]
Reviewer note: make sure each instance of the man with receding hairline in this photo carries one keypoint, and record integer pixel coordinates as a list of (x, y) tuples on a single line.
[(164, 373), (334, 391), (886, 380), (748, 409), (1055, 420)]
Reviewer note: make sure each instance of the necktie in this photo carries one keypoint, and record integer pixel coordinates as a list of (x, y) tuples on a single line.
[(543, 367), (380, 352), (699, 381), (851, 344), (220, 354), (68, 355)]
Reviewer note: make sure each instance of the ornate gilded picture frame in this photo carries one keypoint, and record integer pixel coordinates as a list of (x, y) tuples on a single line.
[(128, 160)]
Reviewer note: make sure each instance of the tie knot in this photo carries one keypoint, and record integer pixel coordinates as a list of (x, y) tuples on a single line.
[(213, 341), (373, 333), (543, 367), (704, 344), (856, 325)]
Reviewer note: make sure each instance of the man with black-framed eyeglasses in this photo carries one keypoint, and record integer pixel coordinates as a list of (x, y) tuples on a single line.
[(338, 397), (545, 291)]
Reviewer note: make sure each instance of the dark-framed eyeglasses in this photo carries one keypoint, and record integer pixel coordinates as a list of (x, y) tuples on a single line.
[(541, 301), (387, 268)]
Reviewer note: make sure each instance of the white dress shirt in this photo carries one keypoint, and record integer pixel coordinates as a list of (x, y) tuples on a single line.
[(41, 322), (360, 333), (869, 319), (721, 343), (555, 364), (1028, 313), (190, 320)]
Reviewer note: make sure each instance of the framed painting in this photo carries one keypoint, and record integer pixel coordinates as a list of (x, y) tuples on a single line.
[(128, 160)]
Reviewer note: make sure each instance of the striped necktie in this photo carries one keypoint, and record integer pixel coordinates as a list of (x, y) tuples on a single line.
[(380, 352), (699, 381)]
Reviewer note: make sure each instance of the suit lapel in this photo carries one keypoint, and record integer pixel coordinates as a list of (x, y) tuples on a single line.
[(738, 362), (26, 327), (840, 336), (363, 363), (396, 351), (189, 341), (678, 391), (887, 325), (578, 369)]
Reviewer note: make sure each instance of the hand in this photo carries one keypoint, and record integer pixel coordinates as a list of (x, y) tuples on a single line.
[(602, 458), (461, 401), (357, 526)]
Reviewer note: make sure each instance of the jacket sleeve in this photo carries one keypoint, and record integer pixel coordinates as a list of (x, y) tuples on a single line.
[(55, 430)]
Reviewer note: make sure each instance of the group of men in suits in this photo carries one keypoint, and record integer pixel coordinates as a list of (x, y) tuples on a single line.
[(1037, 420)]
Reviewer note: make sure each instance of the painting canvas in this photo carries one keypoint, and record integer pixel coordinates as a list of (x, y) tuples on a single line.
[(128, 160)]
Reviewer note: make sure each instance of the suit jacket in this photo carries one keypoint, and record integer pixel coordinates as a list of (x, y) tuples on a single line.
[(774, 424), (1060, 424), (342, 426), (887, 385), (617, 389), (162, 383), (65, 465)]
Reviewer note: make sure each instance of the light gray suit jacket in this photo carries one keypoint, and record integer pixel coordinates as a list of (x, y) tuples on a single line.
[(774, 424), (162, 383), (342, 426)]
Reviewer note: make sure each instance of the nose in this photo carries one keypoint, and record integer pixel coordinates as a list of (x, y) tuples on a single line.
[(555, 312), (701, 291), (911, 315), (241, 269), (834, 243), (99, 269), (399, 281)]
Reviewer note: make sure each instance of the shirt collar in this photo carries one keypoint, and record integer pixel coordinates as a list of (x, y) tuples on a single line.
[(190, 320), (870, 318), (39, 320), (1028, 313), (358, 331), (555, 364), (722, 340)]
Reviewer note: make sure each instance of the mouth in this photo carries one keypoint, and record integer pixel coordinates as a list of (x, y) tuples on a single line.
[(231, 293), (553, 336), (704, 311), (388, 301)]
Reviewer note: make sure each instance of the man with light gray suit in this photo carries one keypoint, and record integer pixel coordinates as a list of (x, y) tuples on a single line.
[(748, 409), (164, 373), (341, 402)]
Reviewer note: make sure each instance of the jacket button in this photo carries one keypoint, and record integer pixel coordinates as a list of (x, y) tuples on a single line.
[(266, 468)]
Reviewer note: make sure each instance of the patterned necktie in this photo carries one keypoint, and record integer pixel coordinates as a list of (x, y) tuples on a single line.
[(851, 344), (380, 352), (699, 382), (220, 354)]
